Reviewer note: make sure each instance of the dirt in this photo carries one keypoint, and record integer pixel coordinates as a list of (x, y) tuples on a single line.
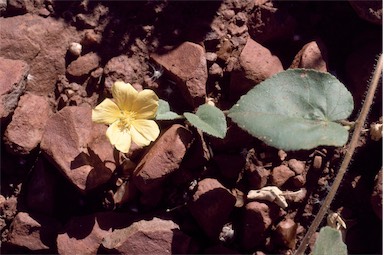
[(203, 191)]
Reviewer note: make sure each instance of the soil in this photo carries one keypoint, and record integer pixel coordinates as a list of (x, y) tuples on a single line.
[(120, 40)]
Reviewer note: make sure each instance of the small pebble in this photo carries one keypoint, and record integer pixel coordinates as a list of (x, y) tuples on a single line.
[(75, 48), (210, 56), (215, 69), (317, 162), (282, 155)]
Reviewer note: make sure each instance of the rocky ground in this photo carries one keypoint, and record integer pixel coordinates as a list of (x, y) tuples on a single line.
[(65, 190)]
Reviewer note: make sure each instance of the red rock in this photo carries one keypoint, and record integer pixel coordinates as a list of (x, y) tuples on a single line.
[(13, 75), (84, 234), (163, 159), (258, 217), (24, 132), (256, 64), (280, 175), (285, 234), (8, 208), (84, 65), (212, 203), (313, 55), (317, 162), (190, 73), (36, 233), (216, 70), (123, 68), (371, 11), (299, 181), (257, 176), (155, 236), (297, 166), (377, 195), (3, 7), (79, 147), (42, 43)]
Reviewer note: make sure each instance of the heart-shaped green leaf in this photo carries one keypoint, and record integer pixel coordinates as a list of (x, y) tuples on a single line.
[(329, 242), (295, 109), (164, 112), (209, 119)]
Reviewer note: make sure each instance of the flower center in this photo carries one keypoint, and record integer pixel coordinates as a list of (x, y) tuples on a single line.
[(126, 120)]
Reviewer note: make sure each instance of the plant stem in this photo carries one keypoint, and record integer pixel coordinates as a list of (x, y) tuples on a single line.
[(347, 158)]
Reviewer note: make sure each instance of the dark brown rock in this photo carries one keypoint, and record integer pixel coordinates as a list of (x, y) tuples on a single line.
[(26, 129), (36, 233), (84, 65), (313, 55), (281, 175), (212, 203), (256, 64), (377, 195), (190, 73), (123, 68), (258, 217), (163, 158), (285, 234), (155, 236), (42, 43), (13, 79), (79, 147)]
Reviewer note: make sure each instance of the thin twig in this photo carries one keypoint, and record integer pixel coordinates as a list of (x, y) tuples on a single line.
[(347, 158)]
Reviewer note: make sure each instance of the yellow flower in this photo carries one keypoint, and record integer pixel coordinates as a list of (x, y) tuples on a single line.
[(128, 116)]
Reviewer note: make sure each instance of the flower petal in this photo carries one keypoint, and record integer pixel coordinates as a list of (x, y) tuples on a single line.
[(144, 131), (124, 95), (106, 112), (145, 105), (120, 138)]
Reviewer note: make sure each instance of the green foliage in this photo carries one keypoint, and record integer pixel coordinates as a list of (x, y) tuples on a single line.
[(295, 109), (328, 242), (209, 119), (164, 112)]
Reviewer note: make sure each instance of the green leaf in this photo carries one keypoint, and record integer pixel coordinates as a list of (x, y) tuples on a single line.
[(329, 242), (295, 109), (209, 119), (164, 112)]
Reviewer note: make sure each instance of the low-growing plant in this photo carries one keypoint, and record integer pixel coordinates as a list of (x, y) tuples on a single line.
[(297, 109)]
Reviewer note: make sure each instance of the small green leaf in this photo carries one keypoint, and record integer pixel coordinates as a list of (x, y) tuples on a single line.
[(164, 112), (329, 242), (209, 119), (295, 109)]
